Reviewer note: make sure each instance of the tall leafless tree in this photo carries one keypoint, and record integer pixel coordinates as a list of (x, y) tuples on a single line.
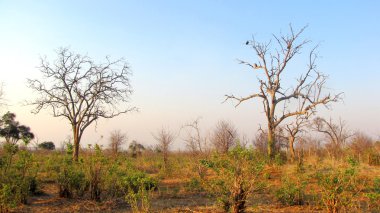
[(276, 99), (164, 138), (224, 136), (82, 91), (116, 140), (337, 134)]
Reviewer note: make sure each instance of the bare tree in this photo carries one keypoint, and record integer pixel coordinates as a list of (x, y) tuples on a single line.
[(164, 138), (260, 141), (81, 90), (275, 97), (224, 136), (337, 134), (116, 140), (194, 141), (361, 145), (293, 129)]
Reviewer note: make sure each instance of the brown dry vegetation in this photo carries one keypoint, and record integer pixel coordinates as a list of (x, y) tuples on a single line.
[(181, 187)]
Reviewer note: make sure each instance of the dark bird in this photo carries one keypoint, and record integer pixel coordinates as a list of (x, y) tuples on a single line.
[(246, 43)]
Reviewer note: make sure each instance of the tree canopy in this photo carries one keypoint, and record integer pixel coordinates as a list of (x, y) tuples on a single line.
[(12, 131), (82, 91)]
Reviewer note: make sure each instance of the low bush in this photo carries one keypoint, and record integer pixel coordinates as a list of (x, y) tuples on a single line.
[(140, 187), (71, 179), (194, 185), (235, 176), (291, 192), (339, 187), (17, 177)]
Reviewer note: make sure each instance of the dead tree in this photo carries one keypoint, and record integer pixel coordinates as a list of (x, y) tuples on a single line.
[(82, 91), (336, 133), (194, 141), (164, 138), (275, 97), (293, 129), (224, 136), (116, 140), (361, 145)]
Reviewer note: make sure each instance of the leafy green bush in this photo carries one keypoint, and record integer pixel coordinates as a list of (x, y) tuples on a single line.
[(113, 181), (137, 179), (235, 176), (194, 185), (139, 187), (339, 187), (7, 200), (291, 192), (17, 177), (71, 178)]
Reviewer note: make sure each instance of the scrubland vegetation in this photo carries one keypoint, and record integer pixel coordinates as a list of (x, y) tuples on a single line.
[(242, 179)]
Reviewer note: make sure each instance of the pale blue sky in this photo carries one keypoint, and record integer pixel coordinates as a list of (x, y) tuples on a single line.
[(183, 57)]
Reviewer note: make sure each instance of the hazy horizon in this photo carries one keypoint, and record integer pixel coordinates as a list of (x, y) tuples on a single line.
[(183, 56)]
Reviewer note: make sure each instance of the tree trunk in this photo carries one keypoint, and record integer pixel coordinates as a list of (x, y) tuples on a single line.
[(291, 147), (239, 199), (165, 160), (271, 143), (76, 144)]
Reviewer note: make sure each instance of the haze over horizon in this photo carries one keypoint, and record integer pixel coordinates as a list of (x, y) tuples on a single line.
[(183, 55)]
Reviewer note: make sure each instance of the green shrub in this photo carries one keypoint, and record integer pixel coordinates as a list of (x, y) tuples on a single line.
[(339, 187), (17, 177), (71, 178), (139, 187), (7, 200), (291, 192), (137, 179), (194, 185), (95, 173), (235, 176)]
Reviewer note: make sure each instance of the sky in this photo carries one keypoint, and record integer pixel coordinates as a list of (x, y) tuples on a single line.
[(183, 55)]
